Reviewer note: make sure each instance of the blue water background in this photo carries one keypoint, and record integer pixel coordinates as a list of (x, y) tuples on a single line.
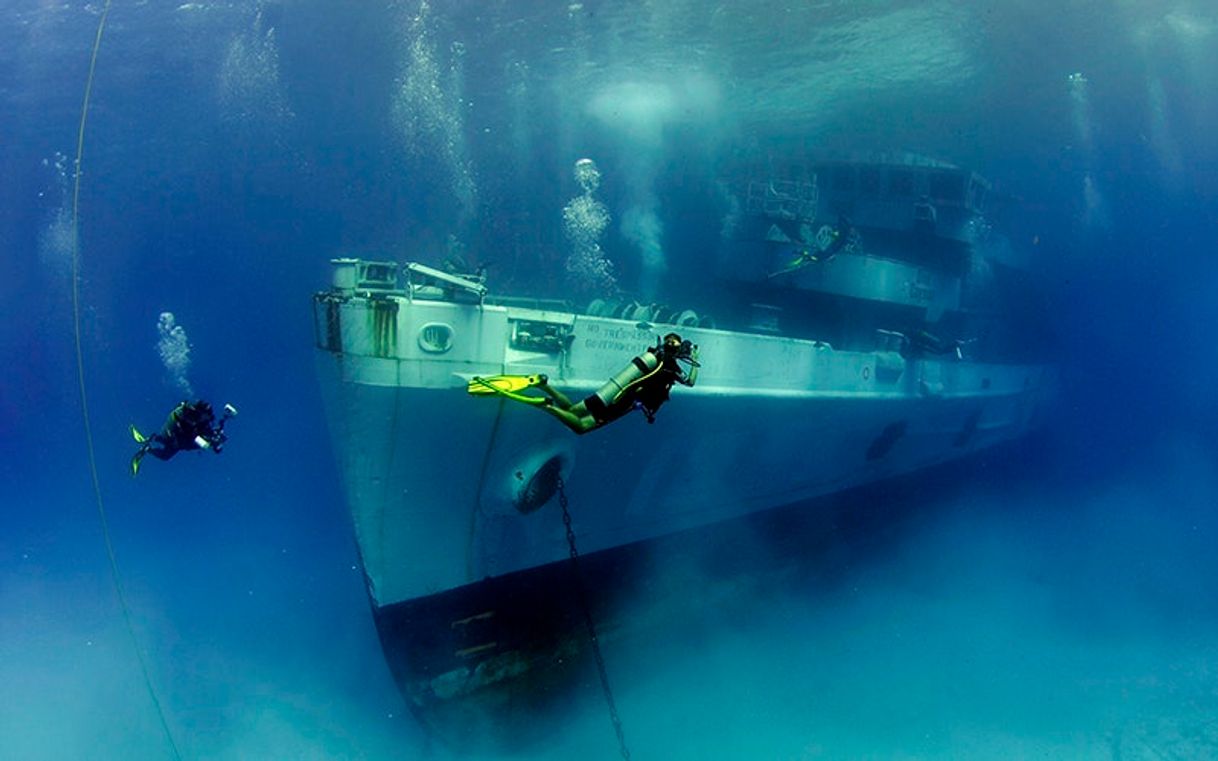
[(1060, 607)]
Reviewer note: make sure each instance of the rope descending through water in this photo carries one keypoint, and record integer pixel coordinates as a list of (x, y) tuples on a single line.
[(583, 604), (84, 398)]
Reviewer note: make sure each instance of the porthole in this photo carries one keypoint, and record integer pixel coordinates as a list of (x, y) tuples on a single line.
[(436, 337)]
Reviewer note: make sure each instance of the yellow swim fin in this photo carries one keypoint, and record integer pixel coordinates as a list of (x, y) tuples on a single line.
[(509, 386), (139, 437), (135, 462), (503, 384)]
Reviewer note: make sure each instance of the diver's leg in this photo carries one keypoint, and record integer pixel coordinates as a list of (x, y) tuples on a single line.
[(563, 401), (574, 416), (159, 448), (580, 423)]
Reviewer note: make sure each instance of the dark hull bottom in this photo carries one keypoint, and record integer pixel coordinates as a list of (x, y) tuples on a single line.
[(485, 664)]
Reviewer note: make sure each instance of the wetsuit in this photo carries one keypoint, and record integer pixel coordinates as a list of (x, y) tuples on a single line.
[(189, 422), (647, 392)]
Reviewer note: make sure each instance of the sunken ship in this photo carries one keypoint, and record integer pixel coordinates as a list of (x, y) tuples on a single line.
[(875, 335)]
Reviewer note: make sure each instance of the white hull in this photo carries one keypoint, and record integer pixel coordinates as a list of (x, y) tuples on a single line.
[(433, 476)]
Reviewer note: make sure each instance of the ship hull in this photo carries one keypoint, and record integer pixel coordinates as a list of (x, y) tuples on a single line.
[(455, 499), (435, 478), (493, 665)]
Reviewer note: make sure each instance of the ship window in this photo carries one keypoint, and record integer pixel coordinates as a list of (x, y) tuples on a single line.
[(436, 337), (376, 276), (869, 180), (900, 182), (843, 178), (535, 335), (947, 187), (377, 272)]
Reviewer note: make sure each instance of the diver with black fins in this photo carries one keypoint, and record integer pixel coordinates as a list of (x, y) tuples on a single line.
[(191, 425), (643, 384), (917, 343)]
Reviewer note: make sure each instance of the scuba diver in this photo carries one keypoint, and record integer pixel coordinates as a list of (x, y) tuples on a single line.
[(919, 342), (191, 425), (643, 384), (830, 240)]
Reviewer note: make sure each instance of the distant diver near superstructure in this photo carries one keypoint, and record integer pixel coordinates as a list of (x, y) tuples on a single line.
[(191, 425), (917, 343), (830, 240), (643, 384)]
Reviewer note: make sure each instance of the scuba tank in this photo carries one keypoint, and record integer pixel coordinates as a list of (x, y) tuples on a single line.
[(639, 367)]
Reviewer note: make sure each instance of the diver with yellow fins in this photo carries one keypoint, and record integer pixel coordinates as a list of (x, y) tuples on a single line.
[(191, 425), (643, 384), (829, 241)]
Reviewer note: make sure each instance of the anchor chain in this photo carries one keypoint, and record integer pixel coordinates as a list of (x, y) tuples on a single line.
[(583, 604)]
